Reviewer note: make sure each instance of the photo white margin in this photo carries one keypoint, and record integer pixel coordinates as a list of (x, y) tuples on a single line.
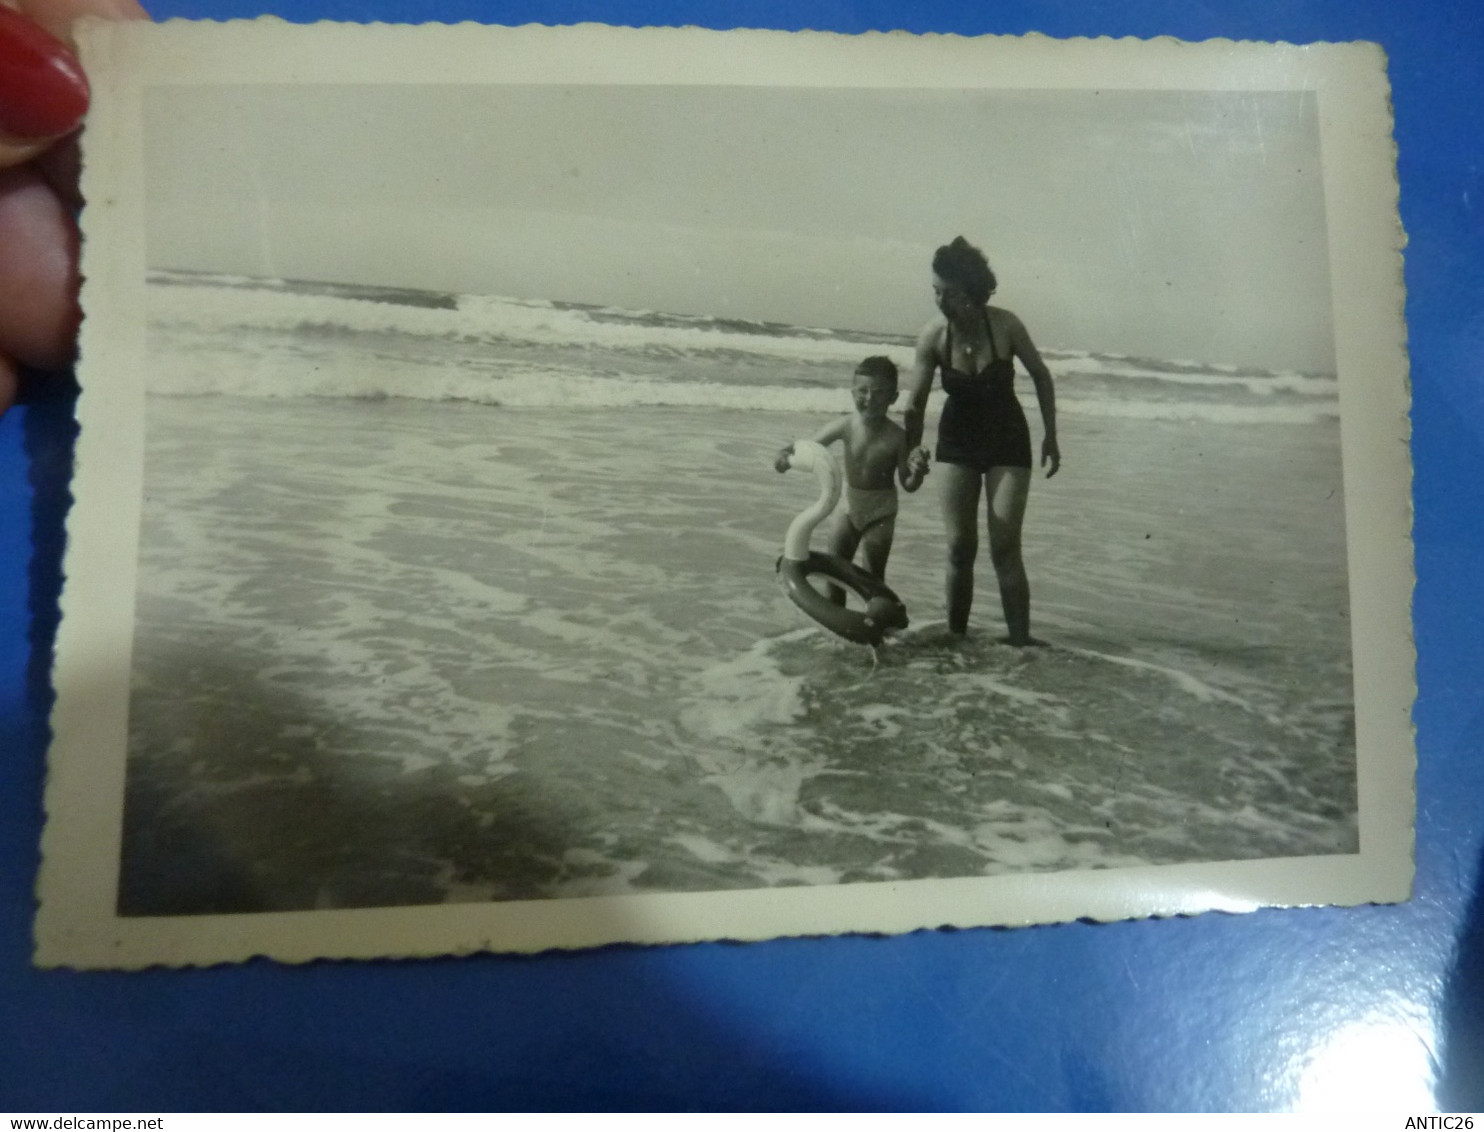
[(77, 924)]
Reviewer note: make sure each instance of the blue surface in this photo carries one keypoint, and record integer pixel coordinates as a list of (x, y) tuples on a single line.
[(1215, 1012)]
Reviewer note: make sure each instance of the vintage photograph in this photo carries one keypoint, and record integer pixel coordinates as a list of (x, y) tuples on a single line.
[(582, 488)]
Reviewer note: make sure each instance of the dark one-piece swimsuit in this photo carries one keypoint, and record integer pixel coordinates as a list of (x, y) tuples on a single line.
[(983, 425)]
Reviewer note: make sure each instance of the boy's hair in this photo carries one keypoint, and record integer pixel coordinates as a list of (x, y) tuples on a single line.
[(879, 367), (963, 264)]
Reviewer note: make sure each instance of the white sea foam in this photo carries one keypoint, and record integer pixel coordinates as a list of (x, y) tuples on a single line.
[(482, 318), (1182, 680), (1137, 409), (738, 696), (477, 655), (1075, 364), (223, 335)]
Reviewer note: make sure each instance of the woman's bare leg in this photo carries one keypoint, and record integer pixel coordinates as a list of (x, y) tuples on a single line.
[(961, 524), (1007, 490)]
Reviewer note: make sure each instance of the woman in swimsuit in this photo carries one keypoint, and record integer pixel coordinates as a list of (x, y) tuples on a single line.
[(983, 438)]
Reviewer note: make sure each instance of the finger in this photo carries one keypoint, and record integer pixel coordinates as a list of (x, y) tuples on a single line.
[(61, 166), (43, 93), (9, 382), (38, 272)]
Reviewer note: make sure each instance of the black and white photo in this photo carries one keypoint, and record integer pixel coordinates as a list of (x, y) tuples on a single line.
[(458, 423)]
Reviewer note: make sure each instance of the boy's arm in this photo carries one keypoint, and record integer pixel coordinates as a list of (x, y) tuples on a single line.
[(832, 431), (827, 435)]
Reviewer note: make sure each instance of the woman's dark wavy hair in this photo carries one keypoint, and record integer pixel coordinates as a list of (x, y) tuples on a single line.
[(964, 265)]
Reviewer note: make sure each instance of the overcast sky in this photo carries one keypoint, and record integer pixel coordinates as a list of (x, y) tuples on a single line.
[(1177, 225)]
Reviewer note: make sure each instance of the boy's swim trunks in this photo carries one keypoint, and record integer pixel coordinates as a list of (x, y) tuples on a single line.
[(865, 507)]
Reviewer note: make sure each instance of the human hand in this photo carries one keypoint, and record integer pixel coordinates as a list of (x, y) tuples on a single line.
[(781, 461), (43, 95), (1050, 453), (917, 462)]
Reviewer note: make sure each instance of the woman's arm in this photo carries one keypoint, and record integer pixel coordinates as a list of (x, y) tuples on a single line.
[(924, 362), (1024, 349)]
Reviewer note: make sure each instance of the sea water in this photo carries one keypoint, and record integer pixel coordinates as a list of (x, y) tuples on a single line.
[(454, 598)]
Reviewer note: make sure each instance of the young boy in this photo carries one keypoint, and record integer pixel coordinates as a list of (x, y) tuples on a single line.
[(876, 454)]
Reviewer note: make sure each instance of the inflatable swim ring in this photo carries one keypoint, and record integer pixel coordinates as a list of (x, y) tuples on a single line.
[(884, 611)]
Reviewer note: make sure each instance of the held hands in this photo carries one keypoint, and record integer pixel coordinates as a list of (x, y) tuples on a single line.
[(43, 95), (1050, 453), (913, 469), (780, 462)]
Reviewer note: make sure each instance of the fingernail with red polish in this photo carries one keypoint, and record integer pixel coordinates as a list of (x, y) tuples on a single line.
[(43, 92)]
